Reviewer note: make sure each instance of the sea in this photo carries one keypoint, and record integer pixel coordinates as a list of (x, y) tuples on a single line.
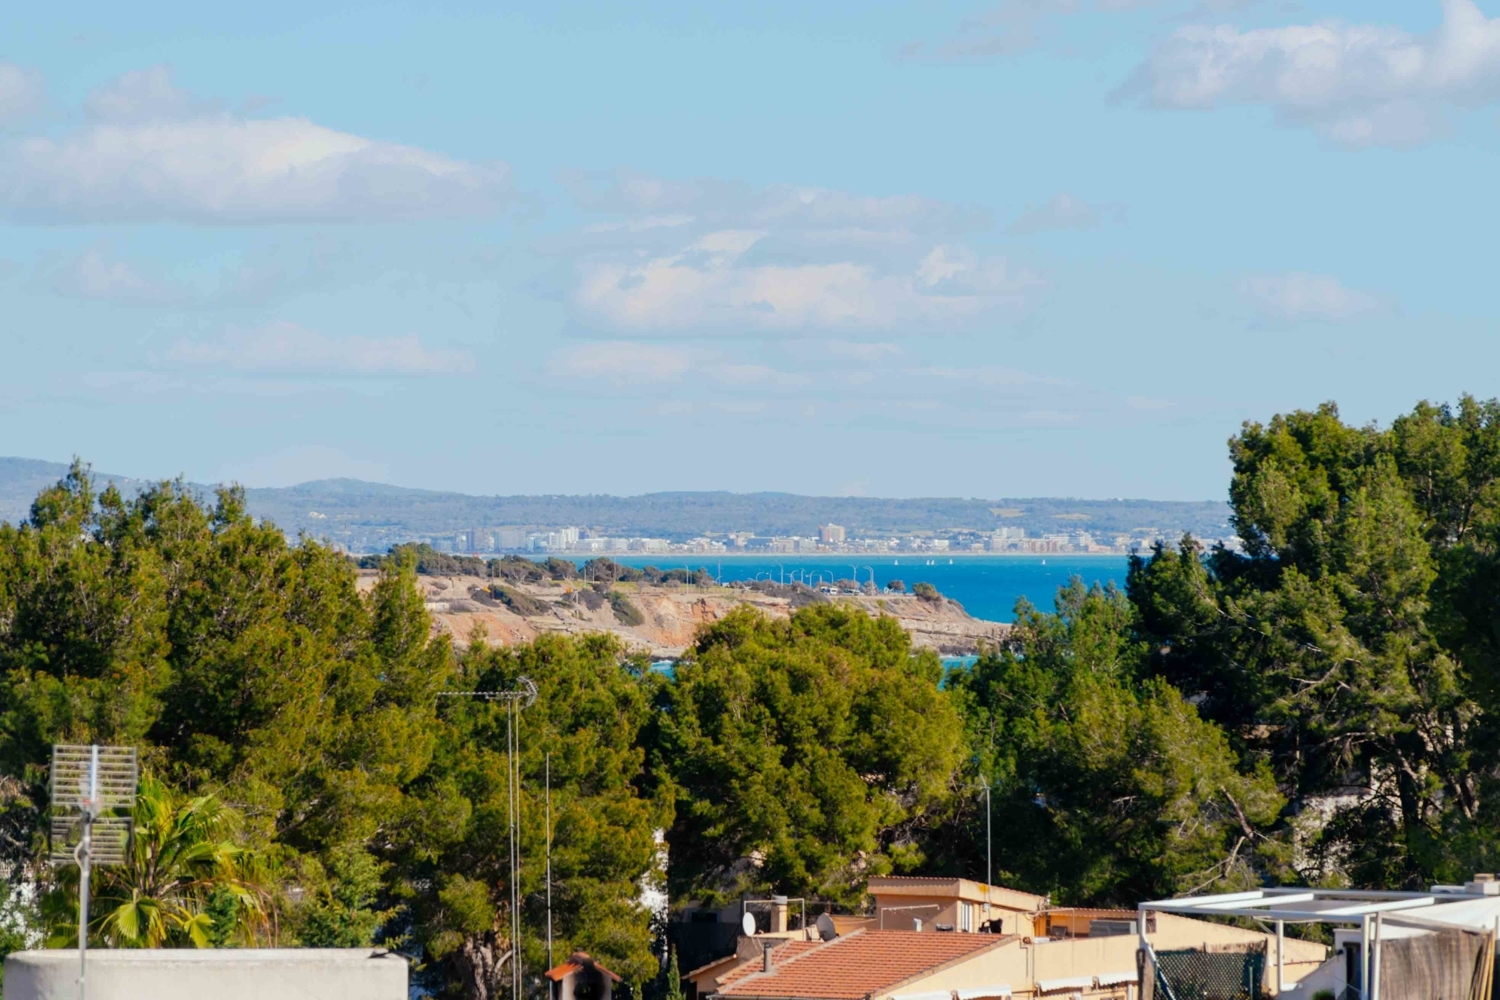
[(987, 586)]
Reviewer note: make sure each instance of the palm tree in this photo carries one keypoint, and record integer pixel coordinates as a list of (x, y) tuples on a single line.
[(187, 882)]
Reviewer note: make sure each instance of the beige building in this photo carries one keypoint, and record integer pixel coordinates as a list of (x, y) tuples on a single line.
[(956, 939)]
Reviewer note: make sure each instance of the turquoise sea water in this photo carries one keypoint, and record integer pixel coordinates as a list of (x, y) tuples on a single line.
[(987, 586)]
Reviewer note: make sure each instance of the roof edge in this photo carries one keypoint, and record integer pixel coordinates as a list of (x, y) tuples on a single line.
[(1000, 941)]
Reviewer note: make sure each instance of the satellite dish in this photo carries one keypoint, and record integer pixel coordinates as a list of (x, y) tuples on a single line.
[(747, 924), (826, 930)]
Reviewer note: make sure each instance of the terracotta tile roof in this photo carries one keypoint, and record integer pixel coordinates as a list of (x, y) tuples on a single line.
[(781, 953), (865, 962), (575, 962)]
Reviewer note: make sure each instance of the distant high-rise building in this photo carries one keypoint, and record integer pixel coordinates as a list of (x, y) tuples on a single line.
[(510, 539), (831, 534)]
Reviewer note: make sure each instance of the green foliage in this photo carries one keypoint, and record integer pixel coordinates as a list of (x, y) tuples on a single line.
[(626, 613), (673, 980), (896, 586), (805, 755), (926, 592), (1112, 787), (344, 910), (450, 853), (522, 604), (429, 561), (1352, 645), (187, 883)]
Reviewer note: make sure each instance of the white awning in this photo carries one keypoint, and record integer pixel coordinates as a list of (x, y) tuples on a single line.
[(1116, 978), (981, 992), (1071, 983)]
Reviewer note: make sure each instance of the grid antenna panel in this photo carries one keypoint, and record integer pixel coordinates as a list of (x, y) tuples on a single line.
[(109, 843), (93, 779)]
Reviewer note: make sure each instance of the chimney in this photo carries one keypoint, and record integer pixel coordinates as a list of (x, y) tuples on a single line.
[(766, 962), (1484, 884), (778, 914), (916, 923)]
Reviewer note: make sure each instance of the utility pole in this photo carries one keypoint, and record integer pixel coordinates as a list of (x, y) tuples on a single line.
[(524, 696), (549, 859), (989, 845)]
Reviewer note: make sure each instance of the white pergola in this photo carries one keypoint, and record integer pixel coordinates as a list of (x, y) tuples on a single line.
[(1329, 906)]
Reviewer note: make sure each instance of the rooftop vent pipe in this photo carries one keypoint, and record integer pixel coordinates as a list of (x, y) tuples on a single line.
[(766, 962)]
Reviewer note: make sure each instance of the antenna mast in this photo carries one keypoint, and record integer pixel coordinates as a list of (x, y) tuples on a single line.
[(524, 696), (90, 784)]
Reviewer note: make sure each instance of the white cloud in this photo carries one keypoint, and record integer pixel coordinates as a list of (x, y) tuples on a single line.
[(95, 275), (1063, 211), (20, 92), (143, 95), (715, 257), (301, 464), (1359, 84), (1301, 296), (289, 347), (621, 362), (151, 153), (821, 214), (710, 284)]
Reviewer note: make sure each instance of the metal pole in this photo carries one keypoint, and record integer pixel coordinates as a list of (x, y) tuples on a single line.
[(1280, 962), (1374, 991), (1364, 956), (989, 843), (83, 903), (510, 802), (548, 780)]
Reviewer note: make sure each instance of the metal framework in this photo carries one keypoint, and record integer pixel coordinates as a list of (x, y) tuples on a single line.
[(90, 787), (523, 696), (1362, 908)]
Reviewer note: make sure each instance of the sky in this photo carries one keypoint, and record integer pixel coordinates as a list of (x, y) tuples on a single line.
[(1024, 248)]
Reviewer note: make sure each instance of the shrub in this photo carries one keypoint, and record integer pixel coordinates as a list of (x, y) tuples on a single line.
[(926, 592), (518, 602), (626, 613)]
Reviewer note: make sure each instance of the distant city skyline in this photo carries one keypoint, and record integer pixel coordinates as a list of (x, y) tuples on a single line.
[(887, 249)]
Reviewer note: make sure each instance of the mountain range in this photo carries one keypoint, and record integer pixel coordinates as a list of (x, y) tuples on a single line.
[(370, 517)]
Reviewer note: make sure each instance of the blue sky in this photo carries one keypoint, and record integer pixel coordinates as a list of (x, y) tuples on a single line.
[(1034, 247)]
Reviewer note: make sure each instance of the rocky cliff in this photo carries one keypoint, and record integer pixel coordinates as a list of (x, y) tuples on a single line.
[(668, 615)]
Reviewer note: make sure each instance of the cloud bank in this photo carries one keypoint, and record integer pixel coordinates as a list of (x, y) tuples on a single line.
[(150, 152), (1301, 296), (707, 257), (1358, 84)]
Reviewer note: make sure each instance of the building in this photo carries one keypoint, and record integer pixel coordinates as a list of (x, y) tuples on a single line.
[(581, 978), (831, 534), (1405, 945), (941, 938), (220, 973), (510, 539)]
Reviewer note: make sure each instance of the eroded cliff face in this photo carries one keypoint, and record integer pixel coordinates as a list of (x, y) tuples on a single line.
[(671, 615)]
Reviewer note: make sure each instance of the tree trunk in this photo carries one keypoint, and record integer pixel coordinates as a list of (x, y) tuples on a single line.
[(480, 962)]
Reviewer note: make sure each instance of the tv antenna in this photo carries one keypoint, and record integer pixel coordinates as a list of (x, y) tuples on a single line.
[(91, 786), (523, 696)]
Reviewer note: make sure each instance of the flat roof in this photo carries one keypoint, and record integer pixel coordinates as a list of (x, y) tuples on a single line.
[(1444, 904)]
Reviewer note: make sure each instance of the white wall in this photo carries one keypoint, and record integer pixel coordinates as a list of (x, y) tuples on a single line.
[(209, 974)]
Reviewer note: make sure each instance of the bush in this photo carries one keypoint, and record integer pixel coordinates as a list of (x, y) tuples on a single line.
[(926, 592), (518, 602), (626, 613), (896, 587)]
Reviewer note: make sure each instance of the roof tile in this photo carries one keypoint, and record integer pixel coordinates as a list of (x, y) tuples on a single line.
[(853, 966)]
